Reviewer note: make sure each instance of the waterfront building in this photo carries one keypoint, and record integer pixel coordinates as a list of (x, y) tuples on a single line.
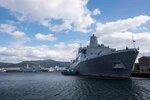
[(144, 64)]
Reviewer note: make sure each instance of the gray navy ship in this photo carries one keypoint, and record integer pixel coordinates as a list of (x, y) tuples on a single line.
[(102, 61)]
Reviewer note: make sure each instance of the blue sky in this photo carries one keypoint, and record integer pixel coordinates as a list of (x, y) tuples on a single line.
[(53, 29)]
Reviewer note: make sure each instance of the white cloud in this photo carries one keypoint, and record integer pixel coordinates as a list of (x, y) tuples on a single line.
[(18, 34), (82, 23), (73, 13), (118, 34), (61, 51), (43, 37), (121, 25), (64, 46), (11, 30), (96, 12), (7, 28)]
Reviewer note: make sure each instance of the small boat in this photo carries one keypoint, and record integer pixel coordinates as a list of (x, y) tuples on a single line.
[(70, 72)]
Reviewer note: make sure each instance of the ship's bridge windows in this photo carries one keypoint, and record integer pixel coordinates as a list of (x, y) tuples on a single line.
[(84, 51)]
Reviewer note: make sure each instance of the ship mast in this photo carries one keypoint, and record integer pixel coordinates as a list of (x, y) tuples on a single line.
[(133, 41), (93, 41)]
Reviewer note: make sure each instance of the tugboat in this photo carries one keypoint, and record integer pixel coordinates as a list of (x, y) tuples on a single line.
[(70, 72)]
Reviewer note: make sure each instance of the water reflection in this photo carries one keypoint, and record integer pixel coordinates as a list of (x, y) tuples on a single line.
[(54, 86), (96, 89)]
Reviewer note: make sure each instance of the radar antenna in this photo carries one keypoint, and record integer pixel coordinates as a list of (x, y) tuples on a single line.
[(133, 41)]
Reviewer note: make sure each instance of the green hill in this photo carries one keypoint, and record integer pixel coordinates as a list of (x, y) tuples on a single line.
[(44, 63)]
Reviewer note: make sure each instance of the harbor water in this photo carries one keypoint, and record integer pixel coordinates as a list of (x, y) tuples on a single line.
[(55, 86)]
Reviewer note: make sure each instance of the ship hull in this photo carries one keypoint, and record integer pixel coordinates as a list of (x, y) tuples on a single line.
[(104, 66)]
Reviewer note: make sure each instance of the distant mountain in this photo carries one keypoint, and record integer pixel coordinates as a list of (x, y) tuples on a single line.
[(44, 63), (2, 64)]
